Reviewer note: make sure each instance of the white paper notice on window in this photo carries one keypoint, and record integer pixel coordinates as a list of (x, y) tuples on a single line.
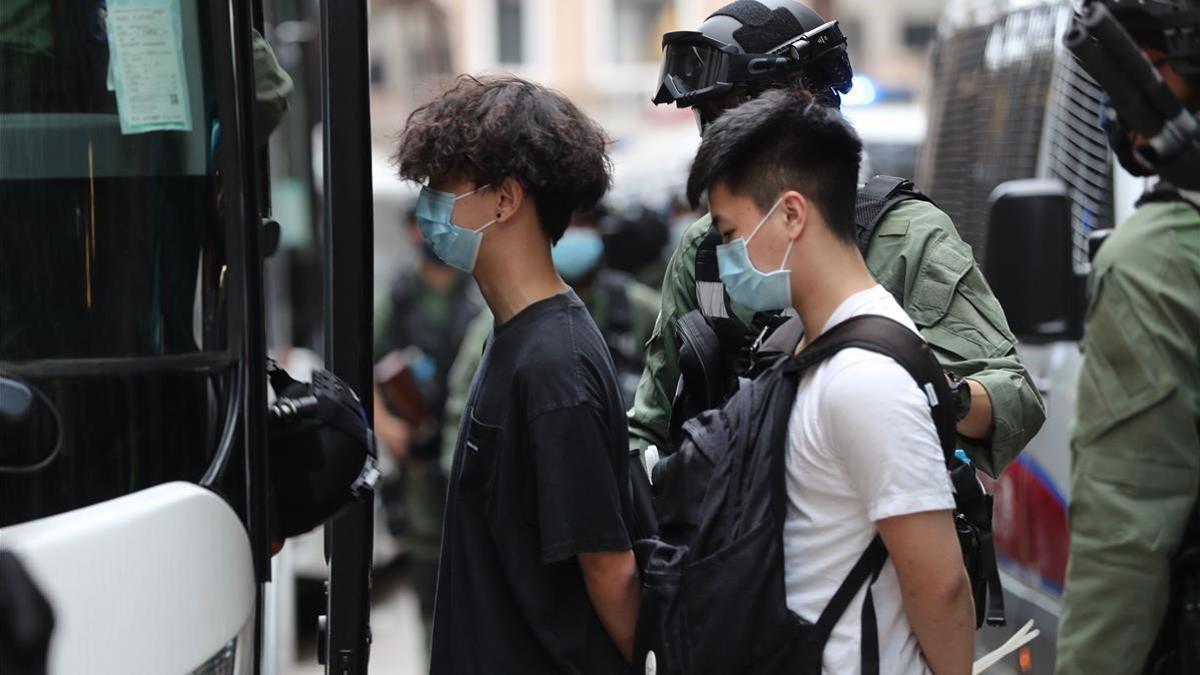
[(145, 46)]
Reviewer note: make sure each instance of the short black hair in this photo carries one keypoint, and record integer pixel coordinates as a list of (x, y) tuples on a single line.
[(783, 140), (487, 129)]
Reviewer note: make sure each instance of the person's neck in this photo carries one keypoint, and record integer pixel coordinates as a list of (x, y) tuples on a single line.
[(513, 277), (827, 283)]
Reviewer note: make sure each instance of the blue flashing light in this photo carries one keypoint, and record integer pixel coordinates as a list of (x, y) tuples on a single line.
[(862, 92)]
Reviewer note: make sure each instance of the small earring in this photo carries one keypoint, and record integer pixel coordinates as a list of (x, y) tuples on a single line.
[(497, 214)]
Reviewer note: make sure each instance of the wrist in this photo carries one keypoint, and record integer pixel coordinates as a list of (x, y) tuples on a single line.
[(960, 396), (977, 424)]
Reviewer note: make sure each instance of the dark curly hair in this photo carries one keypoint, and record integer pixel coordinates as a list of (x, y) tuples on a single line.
[(783, 140), (487, 129)]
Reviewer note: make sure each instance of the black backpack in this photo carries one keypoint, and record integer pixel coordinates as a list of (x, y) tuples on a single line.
[(713, 596)]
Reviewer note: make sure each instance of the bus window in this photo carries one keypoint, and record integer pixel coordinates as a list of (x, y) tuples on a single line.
[(112, 261)]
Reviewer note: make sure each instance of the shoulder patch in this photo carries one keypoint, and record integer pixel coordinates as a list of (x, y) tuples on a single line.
[(893, 227)]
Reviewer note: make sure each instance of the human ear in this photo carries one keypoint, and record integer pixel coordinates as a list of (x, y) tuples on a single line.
[(796, 208), (511, 195)]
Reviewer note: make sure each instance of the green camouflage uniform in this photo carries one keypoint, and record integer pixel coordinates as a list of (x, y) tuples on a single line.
[(643, 302), (1135, 451), (918, 256)]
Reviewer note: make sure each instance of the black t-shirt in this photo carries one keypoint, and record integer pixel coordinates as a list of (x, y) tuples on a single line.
[(540, 475)]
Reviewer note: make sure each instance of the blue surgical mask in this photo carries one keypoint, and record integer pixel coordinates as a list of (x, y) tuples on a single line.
[(456, 246), (578, 253), (745, 284)]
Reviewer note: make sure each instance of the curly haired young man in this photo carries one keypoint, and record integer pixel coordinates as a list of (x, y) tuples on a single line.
[(536, 573)]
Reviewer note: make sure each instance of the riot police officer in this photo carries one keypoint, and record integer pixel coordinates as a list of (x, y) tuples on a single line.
[(1132, 600), (910, 246)]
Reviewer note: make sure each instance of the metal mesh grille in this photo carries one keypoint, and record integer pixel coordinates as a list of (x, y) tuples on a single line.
[(991, 87), (1078, 153)]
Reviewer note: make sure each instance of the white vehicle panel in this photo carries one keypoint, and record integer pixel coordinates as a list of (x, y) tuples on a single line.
[(155, 582)]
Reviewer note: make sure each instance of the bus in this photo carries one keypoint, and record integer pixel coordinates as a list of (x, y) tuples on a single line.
[(137, 492)]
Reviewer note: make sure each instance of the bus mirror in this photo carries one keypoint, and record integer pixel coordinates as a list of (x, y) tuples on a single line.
[(1028, 259)]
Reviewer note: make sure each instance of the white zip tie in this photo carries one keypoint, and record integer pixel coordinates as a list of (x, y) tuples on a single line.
[(1018, 640)]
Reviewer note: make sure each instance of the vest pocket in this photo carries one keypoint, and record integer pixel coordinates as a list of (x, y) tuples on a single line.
[(942, 268), (1123, 373)]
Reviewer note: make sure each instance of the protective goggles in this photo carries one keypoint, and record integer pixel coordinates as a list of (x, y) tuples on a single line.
[(696, 66)]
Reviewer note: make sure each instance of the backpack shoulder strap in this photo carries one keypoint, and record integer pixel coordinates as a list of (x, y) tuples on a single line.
[(699, 357), (890, 338), (875, 199), (884, 336)]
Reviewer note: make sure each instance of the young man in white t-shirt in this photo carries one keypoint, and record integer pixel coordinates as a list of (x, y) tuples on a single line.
[(863, 453)]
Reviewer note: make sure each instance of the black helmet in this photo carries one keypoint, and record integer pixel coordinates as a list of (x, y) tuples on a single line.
[(752, 45), (1107, 37)]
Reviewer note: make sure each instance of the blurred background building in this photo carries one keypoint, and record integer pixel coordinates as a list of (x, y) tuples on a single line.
[(605, 53)]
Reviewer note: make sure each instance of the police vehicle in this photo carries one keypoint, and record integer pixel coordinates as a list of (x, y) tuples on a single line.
[(1016, 155)]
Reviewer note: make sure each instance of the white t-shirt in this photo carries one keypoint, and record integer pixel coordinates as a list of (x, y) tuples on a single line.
[(862, 447)]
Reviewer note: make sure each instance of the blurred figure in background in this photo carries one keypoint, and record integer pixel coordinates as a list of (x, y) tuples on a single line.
[(420, 329), (680, 216), (623, 308), (634, 238)]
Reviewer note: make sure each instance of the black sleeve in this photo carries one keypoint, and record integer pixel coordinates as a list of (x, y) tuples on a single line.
[(578, 500)]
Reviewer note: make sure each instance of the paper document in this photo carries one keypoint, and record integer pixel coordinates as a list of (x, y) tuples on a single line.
[(145, 46)]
